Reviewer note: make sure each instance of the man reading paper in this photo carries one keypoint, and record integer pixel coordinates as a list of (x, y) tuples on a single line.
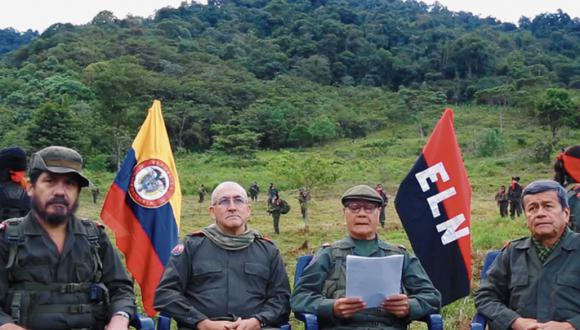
[(321, 289)]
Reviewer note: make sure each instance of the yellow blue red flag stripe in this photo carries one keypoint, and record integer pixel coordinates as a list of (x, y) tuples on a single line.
[(143, 205)]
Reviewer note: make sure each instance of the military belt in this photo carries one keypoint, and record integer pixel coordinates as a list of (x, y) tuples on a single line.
[(54, 287), (62, 308)]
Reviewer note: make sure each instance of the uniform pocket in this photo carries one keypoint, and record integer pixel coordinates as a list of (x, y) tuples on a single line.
[(83, 272), (257, 276), (568, 279), (207, 275), (256, 270), (518, 286), (518, 280)]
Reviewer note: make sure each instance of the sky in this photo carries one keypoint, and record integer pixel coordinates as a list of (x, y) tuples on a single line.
[(40, 14)]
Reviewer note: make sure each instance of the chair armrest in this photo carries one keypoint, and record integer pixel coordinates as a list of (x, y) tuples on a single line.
[(142, 322), (479, 322), (434, 322), (310, 320)]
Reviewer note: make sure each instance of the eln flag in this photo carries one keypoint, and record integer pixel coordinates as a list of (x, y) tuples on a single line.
[(143, 205), (434, 204)]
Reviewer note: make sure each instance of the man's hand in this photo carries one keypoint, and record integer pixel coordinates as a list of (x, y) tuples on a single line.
[(11, 326), (397, 305), (553, 325), (208, 324), (345, 307), (118, 322), (245, 324), (525, 324)]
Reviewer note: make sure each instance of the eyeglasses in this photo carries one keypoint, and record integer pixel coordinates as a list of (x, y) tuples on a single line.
[(356, 207), (226, 201)]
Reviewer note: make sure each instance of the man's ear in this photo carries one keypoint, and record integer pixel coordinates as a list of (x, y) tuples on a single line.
[(29, 188), (567, 211), (210, 210)]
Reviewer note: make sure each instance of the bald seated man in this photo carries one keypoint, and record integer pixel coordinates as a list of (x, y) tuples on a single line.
[(226, 276)]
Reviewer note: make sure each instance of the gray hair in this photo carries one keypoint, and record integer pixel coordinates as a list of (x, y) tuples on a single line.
[(540, 186), (226, 184)]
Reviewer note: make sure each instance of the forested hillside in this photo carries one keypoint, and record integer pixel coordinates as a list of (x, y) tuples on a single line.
[(11, 39), (235, 76)]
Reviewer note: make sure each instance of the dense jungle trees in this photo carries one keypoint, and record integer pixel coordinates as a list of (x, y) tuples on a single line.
[(279, 73)]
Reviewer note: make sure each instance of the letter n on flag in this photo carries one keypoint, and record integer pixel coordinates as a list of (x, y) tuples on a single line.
[(143, 205), (434, 204)]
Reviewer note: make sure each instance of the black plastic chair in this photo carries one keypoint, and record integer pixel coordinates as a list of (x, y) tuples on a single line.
[(479, 322), (434, 321)]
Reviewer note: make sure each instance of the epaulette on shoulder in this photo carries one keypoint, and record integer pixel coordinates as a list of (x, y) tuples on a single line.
[(513, 241), (326, 244), (266, 238), (196, 233), (89, 222)]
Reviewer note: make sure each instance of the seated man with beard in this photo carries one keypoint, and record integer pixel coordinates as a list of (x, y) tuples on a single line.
[(58, 271)]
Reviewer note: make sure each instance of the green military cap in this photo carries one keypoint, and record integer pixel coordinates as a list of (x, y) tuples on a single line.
[(59, 160), (361, 192)]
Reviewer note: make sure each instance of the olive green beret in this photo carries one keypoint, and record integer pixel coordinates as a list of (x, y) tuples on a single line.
[(361, 192)]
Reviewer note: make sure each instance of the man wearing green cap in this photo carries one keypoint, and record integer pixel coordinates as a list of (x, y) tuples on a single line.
[(58, 271), (226, 276), (322, 287)]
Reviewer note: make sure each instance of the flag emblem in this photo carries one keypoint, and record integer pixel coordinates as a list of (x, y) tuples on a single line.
[(151, 184), (143, 205)]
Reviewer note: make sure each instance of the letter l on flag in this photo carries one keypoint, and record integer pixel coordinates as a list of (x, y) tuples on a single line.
[(434, 205)]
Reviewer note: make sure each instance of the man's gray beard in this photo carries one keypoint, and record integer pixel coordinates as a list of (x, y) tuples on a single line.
[(54, 220)]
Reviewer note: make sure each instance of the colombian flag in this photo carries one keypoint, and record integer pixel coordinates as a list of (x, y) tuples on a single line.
[(143, 205), (434, 204)]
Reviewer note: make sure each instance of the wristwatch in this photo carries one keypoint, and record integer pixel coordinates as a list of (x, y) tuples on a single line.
[(123, 314)]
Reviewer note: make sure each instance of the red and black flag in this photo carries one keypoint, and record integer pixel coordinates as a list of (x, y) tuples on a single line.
[(434, 204)]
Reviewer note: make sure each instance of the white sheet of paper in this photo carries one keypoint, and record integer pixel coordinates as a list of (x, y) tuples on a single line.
[(373, 279)]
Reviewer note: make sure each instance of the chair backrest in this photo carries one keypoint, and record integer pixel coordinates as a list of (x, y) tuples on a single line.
[(301, 263), (163, 322), (142, 322), (489, 258), (479, 322)]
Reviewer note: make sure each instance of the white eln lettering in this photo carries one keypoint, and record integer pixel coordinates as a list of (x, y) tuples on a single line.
[(450, 227), (431, 173), (434, 200)]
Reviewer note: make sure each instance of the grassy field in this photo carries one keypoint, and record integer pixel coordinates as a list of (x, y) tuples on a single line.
[(385, 156)]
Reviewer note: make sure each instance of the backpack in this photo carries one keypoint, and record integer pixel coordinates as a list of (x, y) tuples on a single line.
[(284, 206)]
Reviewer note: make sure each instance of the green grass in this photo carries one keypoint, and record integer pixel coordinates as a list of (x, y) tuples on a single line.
[(385, 156)]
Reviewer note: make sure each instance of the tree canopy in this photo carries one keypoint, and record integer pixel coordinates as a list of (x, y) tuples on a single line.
[(288, 73)]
